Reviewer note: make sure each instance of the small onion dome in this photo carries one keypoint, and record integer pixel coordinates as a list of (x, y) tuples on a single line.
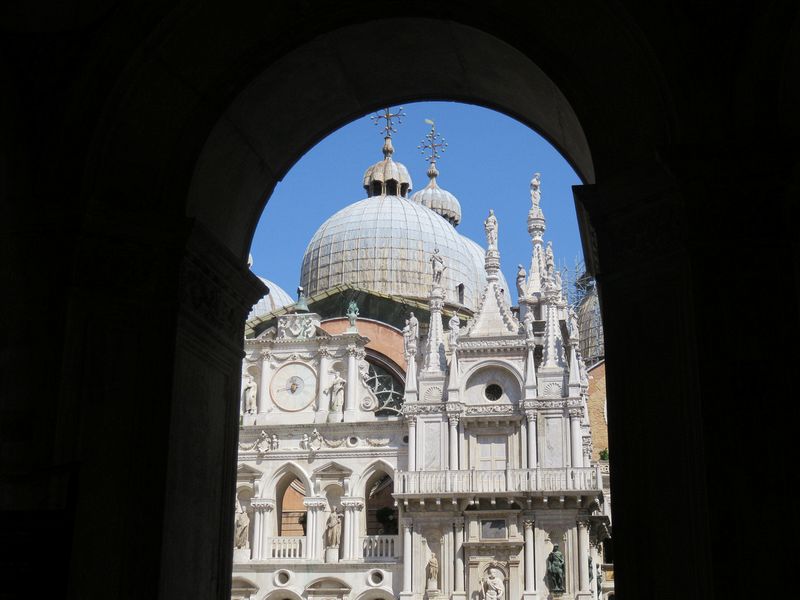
[(387, 177), (274, 299), (439, 200)]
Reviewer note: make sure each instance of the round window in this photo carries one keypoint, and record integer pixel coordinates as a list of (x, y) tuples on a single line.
[(493, 392), (405, 439), (375, 577), (282, 577), (352, 441)]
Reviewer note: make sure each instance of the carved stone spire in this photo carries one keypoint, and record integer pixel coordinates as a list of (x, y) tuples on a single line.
[(493, 317), (536, 228), (553, 351), (435, 360)]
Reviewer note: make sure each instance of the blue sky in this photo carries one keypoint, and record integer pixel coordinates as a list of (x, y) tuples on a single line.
[(488, 163)]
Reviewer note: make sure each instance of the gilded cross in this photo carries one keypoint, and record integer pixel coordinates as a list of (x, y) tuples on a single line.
[(433, 145), (389, 116)]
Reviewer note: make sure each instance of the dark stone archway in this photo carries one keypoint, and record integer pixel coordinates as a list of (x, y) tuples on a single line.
[(142, 142)]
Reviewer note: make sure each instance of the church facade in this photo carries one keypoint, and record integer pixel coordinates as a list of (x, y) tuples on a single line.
[(386, 456)]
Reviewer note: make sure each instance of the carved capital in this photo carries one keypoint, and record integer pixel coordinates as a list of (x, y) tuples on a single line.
[(263, 504), (407, 523), (531, 416), (583, 522), (411, 420), (315, 503), (454, 420), (528, 523), (575, 413)]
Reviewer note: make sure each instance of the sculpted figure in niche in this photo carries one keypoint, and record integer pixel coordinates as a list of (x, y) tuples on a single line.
[(352, 313), (549, 259), (493, 588), (242, 527), (274, 444), (455, 330), (437, 266), (333, 529), (250, 394), (413, 326), (528, 322), (521, 275), (433, 573), (336, 394), (490, 226), (555, 569)]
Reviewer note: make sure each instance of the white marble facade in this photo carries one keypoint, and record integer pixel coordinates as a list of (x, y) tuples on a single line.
[(482, 466)]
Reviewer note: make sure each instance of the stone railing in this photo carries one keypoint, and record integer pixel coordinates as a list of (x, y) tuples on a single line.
[(565, 479), (380, 547), (287, 547)]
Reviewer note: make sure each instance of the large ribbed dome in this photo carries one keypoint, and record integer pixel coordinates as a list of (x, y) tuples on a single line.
[(275, 298), (384, 243)]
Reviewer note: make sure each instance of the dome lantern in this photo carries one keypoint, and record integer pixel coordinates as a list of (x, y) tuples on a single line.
[(434, 197), (387, 177)]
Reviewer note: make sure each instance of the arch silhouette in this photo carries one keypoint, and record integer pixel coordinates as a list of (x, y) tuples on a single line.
[(177, 158)]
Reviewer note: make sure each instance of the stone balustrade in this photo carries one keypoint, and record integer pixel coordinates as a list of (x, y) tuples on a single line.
[(380, 547), (565, 479), (287, 547)]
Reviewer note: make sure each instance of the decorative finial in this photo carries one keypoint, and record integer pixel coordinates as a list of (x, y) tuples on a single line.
[(536, 194), (490, 226), (352, 315), (389, 116), (301, 305), (432, 147)]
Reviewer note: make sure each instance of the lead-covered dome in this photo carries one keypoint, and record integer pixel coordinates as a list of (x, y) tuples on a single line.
[(384, 244), (438, 199), (274, 299)]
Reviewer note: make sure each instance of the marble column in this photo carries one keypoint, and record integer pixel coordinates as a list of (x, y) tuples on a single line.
[(263, 402), (324, 379), (530, 573), (350, 529), (531, 427), (313, 535), (453, 442), (407, 525), (583, 554), (261, 515), (575, 436), (412, 443), (353, 377), (459, 554)]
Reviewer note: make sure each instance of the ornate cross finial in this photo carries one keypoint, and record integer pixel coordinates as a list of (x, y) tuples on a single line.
[(433, 143), (389, 128)]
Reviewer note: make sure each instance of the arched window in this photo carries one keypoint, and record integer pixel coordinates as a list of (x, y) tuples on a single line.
[(388, 390)]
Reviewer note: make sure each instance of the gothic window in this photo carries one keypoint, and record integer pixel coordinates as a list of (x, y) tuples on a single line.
[(387, 389)]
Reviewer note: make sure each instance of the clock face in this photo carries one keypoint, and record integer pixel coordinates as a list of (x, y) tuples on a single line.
[(293, 387)]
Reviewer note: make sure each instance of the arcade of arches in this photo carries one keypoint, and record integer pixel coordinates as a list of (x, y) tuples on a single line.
[(141, 141)]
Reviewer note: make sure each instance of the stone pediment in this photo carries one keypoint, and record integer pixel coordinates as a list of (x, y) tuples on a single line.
[(333, 470), (247, 472)]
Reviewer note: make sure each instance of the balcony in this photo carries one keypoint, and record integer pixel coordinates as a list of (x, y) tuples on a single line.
[(492, 483), (380, 547), (287, 547)]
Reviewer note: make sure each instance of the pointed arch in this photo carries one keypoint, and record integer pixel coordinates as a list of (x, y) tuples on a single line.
[(290, 467), (378, 465)]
